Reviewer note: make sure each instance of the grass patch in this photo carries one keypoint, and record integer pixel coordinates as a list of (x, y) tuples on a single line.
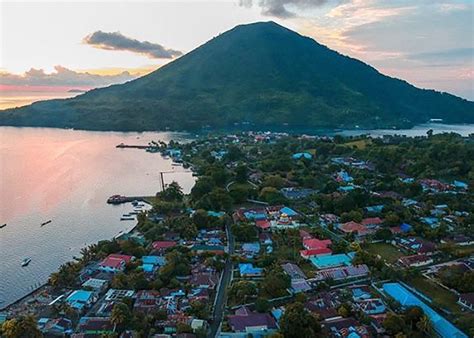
[(387, 251), (359, 144), (440, 296)]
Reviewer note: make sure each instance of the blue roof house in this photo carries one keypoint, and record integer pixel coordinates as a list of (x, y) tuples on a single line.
[(405, 227), (288, 211), (375, 208), (80, 299), (248, 270), (332, 261), (151, 263), (299, 156), (460, 184)]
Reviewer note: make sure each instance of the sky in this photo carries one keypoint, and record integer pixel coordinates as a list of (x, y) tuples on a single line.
[(50, 48)]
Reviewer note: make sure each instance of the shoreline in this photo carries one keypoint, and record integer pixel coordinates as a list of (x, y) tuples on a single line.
[(43, 286)]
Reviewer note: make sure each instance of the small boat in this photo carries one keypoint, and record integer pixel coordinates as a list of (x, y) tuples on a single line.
[(25, 261), (3, 225), (127, 218), (47, 222), (134, 213)]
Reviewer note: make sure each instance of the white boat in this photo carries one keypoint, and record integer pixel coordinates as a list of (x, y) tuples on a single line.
[(25, 261)]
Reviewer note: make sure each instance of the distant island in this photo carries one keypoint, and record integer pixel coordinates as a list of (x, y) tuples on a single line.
[(258, 76), (77, 91)]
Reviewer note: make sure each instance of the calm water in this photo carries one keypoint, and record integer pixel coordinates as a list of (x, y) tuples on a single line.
[(419, 130), (66, 176)]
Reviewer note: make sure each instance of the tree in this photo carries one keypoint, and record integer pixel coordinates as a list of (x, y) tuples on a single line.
[(244, 232), (120, 315), (297, 322), (394, 323), (262, 305), (383, 234), (241, 173), (172, 193), (424, 325), (275, 283), (241, 290), (21, 327)]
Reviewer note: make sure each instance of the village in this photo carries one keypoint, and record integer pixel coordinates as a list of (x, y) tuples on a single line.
[(281, 236)]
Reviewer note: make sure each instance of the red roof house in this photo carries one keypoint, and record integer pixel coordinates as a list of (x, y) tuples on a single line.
[(314, 243), (163, 245), (115, 262)]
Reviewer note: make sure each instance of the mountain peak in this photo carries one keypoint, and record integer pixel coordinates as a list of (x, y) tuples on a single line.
[(260, 74)]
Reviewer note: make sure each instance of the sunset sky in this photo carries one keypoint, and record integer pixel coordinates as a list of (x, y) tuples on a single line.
[(48, 48)]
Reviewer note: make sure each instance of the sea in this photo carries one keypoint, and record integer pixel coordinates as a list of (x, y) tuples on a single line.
[(66, 176)]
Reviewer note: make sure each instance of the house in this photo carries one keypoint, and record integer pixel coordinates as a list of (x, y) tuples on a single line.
[(300, 285), (343, 176), (314, 243), (97, 285), (248, 270), (372, 306), (324, 305), (467, 300), (198, 324), (459, 239), (204, 279), (251, 249), (81, 299), (96, 325), (215, 249), (299, 156), (263, 224), (341, 273), (360, 292), (460, 185), (151, 263), (345, 327), (293, 271), (55, 327), (375, 209), (248, 322), (415, 260), (307, 254), (265, 238), (372, 222), (115, 294), (417, 245), (147, 301), (171, 236), (115, 263), (288, 211), (296, 193), (359, 230), (162, 246), (329, 218), (331, 261)]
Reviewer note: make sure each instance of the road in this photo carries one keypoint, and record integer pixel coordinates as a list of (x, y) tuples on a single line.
[(221, 296)]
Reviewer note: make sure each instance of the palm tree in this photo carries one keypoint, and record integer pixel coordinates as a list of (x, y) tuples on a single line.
[(425, 326), (120, 315)]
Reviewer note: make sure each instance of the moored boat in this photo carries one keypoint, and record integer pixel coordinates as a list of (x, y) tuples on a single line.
[(25, 261)]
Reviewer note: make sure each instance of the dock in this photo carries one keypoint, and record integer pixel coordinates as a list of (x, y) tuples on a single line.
[(119, 199), (132, 146)]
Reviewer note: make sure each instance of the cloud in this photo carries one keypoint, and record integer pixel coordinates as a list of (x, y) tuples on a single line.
[(63, 77), (279, 8), (118, 41), (449, 55)]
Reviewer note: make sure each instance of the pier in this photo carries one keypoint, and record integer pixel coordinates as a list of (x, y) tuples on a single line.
[(119, 199), (132, 146)]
